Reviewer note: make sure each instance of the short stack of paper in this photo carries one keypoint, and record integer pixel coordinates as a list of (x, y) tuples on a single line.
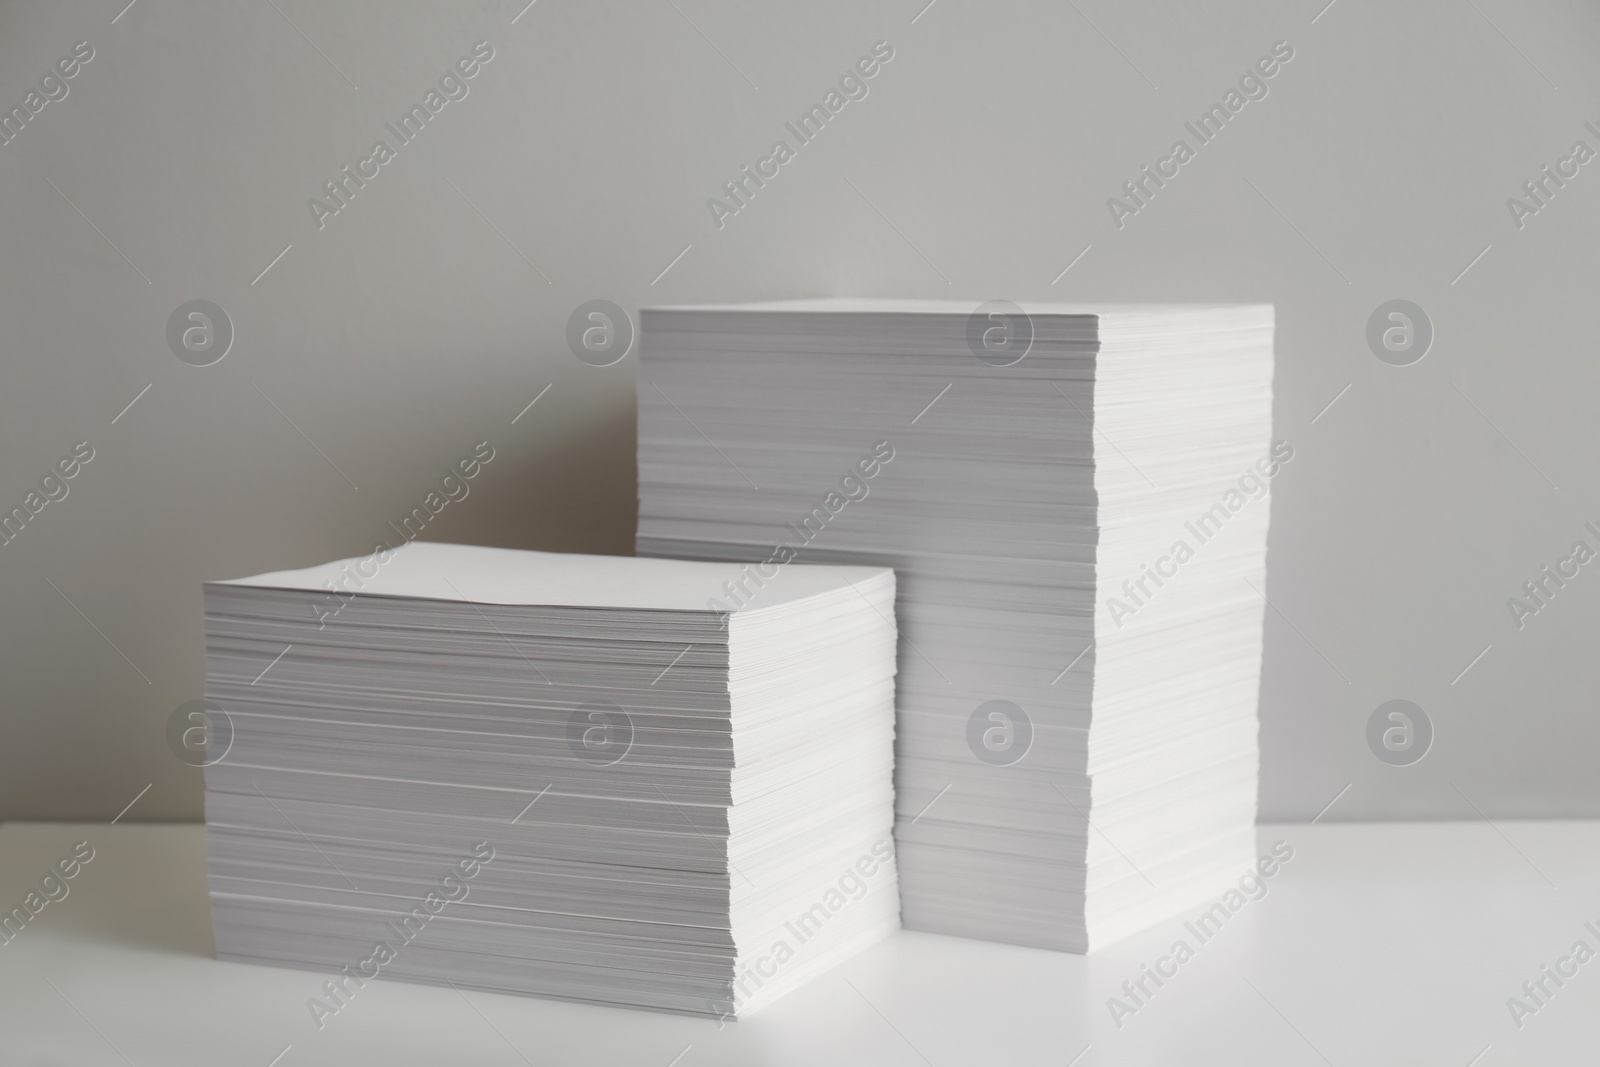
[(1074, 500), (572, 776)]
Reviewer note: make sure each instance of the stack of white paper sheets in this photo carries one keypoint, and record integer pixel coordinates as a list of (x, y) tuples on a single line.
[(1075, 502), (573, 776)]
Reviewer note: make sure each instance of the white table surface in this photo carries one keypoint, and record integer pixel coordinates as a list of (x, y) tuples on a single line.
[(1377, 944)]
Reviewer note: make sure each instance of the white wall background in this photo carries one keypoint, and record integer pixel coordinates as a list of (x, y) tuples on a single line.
[(423, 317)]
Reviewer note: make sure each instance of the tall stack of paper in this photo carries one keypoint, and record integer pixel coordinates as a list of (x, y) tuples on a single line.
[(552, 774), (1074, 501)]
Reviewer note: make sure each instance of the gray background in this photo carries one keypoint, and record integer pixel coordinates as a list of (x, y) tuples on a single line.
[(417, 322)]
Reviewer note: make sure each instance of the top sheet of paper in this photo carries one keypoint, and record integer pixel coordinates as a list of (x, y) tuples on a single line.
[(470, 573), (849, 305)]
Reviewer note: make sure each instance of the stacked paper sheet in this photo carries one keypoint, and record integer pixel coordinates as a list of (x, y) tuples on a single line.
[(1075, 502), (573, 776)]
